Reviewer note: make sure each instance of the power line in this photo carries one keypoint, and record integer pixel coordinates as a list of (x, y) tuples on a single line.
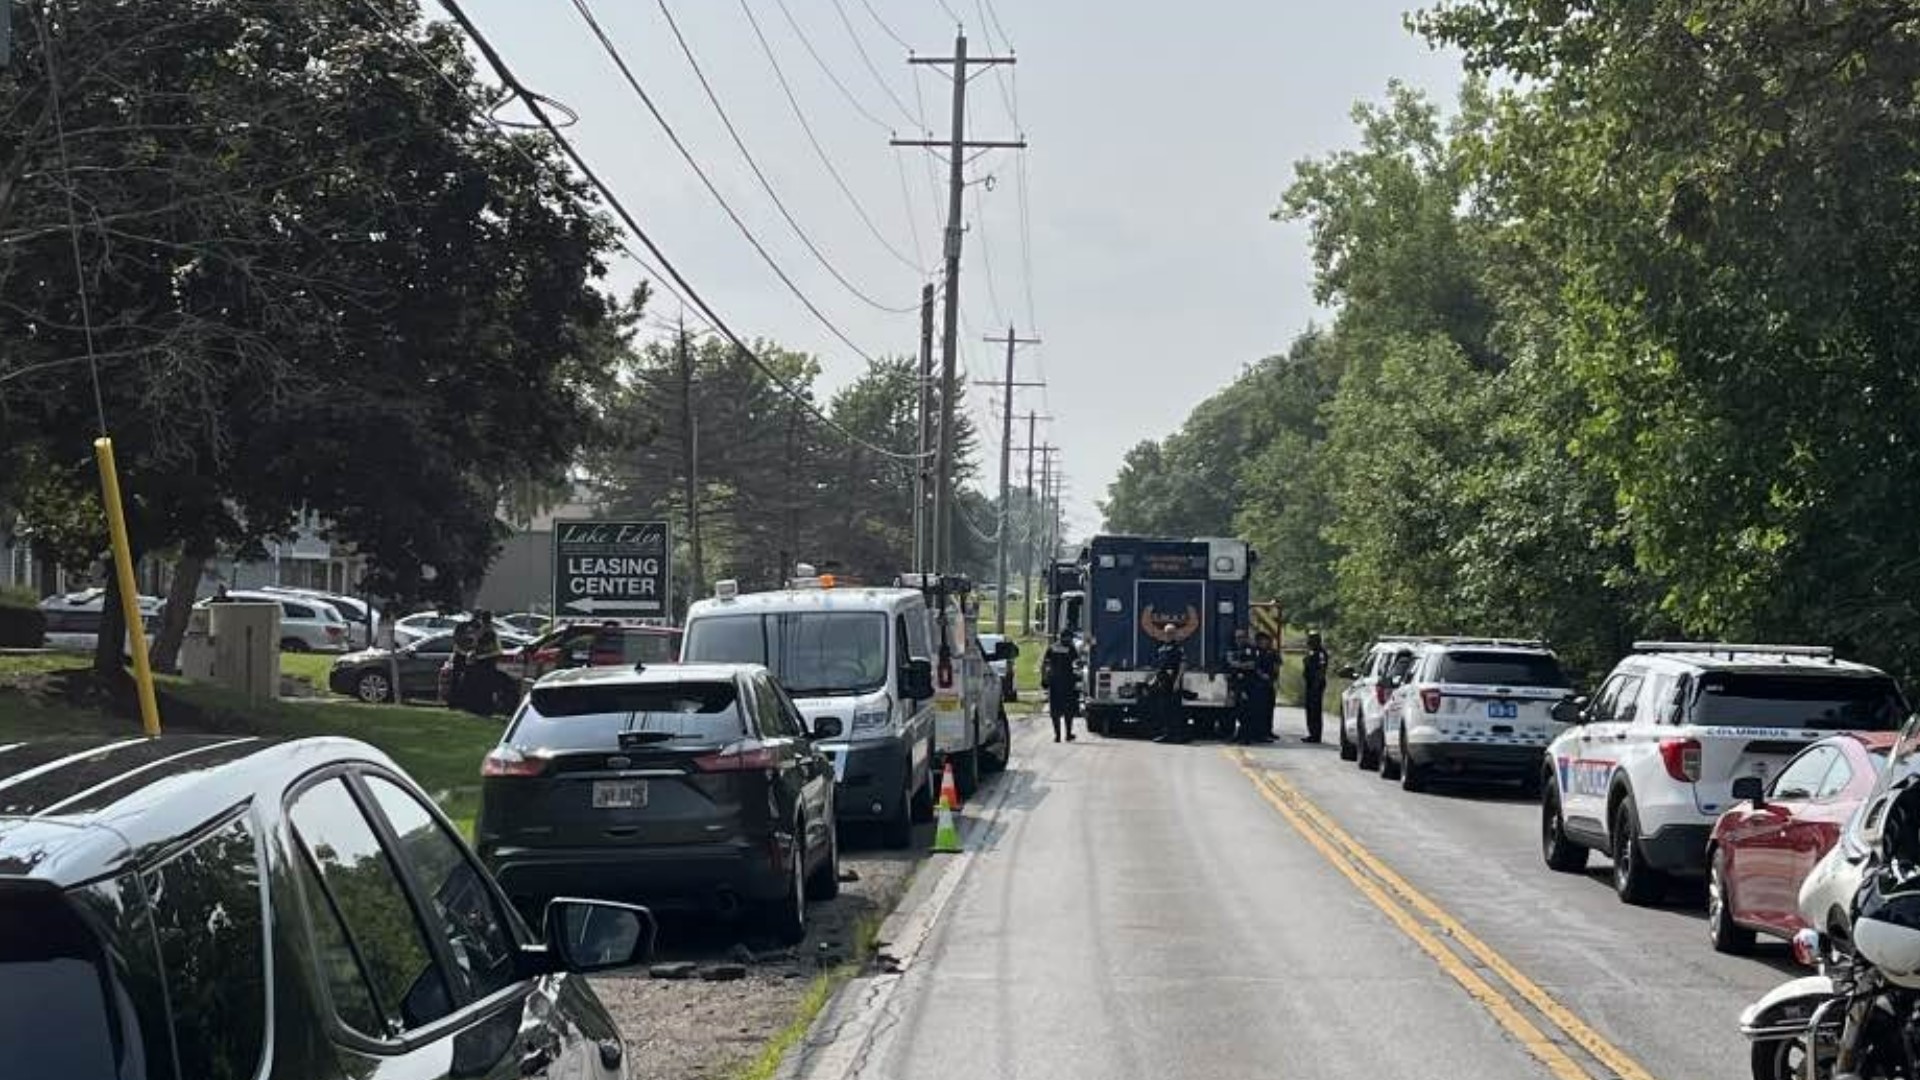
[(765, 184), (902, 42), (512, 82), (986, 256), (586, 12), (861, 48), (918, 267), (828, 69)]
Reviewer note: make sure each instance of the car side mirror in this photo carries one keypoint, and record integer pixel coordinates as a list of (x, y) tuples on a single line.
[(1349, 672), (1751, 789), (916, 680), (1571, 710), (827, 727), (584, 936)]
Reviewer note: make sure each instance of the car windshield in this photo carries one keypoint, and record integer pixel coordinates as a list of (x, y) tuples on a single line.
[(577, 716), (813, 653), (1500, 669), (1813, 701)]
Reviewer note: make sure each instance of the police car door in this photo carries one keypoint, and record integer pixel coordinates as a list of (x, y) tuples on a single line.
[(1585, 777)]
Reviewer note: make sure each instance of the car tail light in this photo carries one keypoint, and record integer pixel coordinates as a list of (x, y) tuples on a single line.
[(1380, 692), (507, 761), (740, 757), (1682, 759), (336, 631), (546, 656), (1430, 699)]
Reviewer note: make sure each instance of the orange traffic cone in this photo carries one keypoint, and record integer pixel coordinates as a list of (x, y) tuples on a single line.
[(949, 791)]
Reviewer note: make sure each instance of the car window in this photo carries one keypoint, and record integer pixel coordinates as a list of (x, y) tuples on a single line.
[(1660, 698), (208, 923), (1801, 778), (296, 611), (1627, 704), (766, 706), (340, 966), (728, 639), (1818, 701), (1837, 778), (1498, 668), (359, 881), (437, 645), (919, 639), (1608, 699), (481, 945), (56, 980), (590, 715)]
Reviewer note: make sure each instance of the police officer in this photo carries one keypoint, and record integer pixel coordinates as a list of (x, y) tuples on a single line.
[(1266, 674), (1169, 663), (1316, 689), (1057, 674), (1241, 676)]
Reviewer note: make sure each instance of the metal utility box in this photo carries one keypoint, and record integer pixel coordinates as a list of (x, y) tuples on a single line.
[(246, 648)]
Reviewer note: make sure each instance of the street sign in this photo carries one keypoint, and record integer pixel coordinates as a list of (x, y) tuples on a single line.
[(612, 569)]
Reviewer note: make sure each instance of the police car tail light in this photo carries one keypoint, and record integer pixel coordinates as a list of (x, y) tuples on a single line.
[(1430, 700), (740, 757), (507, 761), (1682, 759)]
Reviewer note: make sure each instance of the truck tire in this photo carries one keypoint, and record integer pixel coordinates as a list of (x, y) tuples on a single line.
[(1100, 720), (923, 796), (966, 771), (996, 760), (897, 831)]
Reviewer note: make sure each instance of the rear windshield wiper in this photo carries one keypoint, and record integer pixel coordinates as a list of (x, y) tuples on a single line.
[(634, 740)]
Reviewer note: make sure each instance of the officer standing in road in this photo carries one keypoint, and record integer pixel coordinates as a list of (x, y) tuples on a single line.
[(1316, 688), (1266, 670), (1169, 663), (1241, 684), (1057, 674)]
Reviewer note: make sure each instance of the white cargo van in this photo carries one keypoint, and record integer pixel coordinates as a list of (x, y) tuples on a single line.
[(862, 656)]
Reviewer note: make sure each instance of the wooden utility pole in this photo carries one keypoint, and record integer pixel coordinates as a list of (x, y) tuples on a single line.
[(1006, 466), (690, 460), (1035, 528), (921, 532)]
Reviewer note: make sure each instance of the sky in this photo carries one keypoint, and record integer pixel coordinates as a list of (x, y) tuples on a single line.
[(1160, 139)]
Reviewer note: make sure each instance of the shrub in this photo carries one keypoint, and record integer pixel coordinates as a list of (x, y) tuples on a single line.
[(22, 625)]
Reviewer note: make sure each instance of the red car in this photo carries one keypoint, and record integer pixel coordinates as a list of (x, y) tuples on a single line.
[(1763, 849), (583, 645)]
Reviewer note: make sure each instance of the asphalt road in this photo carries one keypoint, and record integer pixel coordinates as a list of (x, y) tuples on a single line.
[(1133, 910)]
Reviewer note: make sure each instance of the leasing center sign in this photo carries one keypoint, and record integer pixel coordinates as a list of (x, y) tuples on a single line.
[(617, 569)]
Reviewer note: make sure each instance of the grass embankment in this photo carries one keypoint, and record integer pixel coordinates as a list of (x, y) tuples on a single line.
[(820, 991), (440, 748)]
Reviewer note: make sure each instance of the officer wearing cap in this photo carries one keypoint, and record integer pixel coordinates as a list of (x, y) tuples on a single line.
[(1169, 663), (1316, 688)]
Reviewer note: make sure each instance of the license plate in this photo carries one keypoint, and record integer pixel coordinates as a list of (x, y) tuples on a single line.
[(619, 794), (1502, 710)]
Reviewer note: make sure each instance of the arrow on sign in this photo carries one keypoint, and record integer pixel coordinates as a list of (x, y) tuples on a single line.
[(591, 605)]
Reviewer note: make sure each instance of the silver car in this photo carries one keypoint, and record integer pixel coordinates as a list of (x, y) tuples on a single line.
[(306, 625)]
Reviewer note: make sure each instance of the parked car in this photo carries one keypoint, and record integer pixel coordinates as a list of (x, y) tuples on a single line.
[(1764, 848), (363, 622), (1473, 707), (591, 645), (1363, 703), (369, 674), (207, 906), (1002, 662), (415, 627), (306, 624), (73, 619), (694, 786), (528, 622), (1650, 765)]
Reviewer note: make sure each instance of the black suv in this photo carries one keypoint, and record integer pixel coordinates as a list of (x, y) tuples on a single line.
[(208, 907)]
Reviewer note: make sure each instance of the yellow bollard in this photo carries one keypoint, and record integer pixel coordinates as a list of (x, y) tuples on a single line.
[(129, 593)]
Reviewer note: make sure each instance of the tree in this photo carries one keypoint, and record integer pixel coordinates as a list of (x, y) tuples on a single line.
[(316, 278)]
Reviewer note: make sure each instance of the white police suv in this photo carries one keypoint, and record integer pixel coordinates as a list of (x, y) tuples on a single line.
[(1473, 707), (1651, 759)]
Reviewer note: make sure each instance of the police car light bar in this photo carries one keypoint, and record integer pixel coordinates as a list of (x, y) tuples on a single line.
[(1823, 652)]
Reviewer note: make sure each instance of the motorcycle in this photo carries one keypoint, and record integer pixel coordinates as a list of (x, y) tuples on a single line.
[(1859, 1017)]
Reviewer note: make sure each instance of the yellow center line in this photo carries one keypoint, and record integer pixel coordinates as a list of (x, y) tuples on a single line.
[(1503, 1011), (1607, 1054)]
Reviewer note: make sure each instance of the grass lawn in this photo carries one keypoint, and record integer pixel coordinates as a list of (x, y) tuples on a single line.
[(311, 667), (439, 748)]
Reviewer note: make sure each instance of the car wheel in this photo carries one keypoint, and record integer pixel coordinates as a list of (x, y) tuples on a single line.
[(1412, 776), (825, 882), (787, 916), (1726, 935), (1633, 879), (1388, 764), (1365, 753), (996, 761), (1560, 853), (1348, 751), (373, 687), (293, 644), (966, 772)]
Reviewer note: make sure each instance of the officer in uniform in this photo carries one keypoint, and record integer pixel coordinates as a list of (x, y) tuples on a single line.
[(1241, 683), (1316, 689), (1169, 663), (1266, 674), (1057, 674)]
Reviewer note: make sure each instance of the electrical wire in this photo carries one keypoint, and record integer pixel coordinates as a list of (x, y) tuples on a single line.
[(488, 111), (828, 69), (760, 175), (861, 48), (512, 82), (620, 61), (957, 20), (917, 266), (73, 219), (986, 257), (898, 40)]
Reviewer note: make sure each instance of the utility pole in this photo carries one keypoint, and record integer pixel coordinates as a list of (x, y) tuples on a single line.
[(1035, 523), (1006, 466), (920, 531), (956, 145), (690, 451), (1050, 502)]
